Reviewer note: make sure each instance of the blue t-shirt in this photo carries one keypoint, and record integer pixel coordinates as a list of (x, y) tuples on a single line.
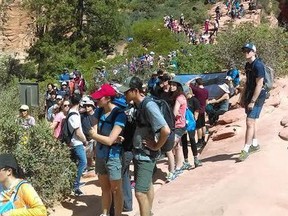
[(105, 126), (254, 70)]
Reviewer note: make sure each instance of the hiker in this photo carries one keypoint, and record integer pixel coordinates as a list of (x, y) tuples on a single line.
[(88, 120), (64, 90), (49, 100), (218, 106), (179, 105), (253, 99), (194, 105), (78, 141), (54, 109), (18, 196), (110, 121), (206, 26), (216, 27), (24, 119), (182, 19), (64, 76), (56, 125), (79, 83), (152, 81), (202, 95), (218, 12), (146, 141), (235, 76)]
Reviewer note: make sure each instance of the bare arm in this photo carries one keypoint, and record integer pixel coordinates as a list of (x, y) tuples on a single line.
[(259, 85), (176, 109), (155, 146), (53, 125), (107, 140), (196, 114), (80, 135), (223, 97)]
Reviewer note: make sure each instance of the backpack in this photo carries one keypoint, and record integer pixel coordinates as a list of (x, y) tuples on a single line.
[(269, 77), (168, 116), (190, 120), (10, 204), (65, 135)]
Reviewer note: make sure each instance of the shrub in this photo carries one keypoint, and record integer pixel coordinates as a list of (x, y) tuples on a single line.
[(46, 162)]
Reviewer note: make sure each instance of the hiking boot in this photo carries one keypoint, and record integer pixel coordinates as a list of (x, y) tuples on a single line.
[(170, 177), (243, 155), (254, 149), (78, 192), (186, 166), (197, 162)]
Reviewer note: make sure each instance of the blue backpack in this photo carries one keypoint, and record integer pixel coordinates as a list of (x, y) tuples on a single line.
[(190, 120), (10, 204)]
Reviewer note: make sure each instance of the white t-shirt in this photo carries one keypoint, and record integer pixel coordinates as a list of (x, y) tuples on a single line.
[(74, 122)]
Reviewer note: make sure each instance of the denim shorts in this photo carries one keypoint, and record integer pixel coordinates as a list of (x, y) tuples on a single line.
[(143, 174), (254, 113), (179, 132), (111, 167)]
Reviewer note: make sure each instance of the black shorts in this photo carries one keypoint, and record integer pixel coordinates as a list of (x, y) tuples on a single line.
[(200, 121)]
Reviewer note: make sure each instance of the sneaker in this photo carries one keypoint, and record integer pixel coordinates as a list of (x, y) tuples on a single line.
[(170, 177), (254, 149), (82, 184), (197, 162), (179, 171), (243, 155), (186, 166), (78, 192)]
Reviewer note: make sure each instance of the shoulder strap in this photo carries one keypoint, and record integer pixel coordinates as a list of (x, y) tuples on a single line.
[(110, 119), (15, 192), (69, 115)]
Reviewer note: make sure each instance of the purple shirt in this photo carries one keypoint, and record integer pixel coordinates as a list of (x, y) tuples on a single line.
[(202, 95)]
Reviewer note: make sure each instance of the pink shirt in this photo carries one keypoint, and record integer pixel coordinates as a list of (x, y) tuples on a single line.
[(58, 118), (180, 121)]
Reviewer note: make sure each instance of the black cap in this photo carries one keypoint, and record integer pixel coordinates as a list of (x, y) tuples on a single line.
[(8, 160), (131, 83)]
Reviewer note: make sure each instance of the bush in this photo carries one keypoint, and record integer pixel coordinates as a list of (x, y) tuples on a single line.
[(46, 162)]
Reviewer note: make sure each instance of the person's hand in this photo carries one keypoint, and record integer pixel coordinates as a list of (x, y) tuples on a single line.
[(119, 139), (212, 101), (92, 131), (5, 214), (151, 144), (250, 106)]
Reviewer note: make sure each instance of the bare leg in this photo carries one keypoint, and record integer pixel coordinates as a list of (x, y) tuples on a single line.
[(144, 201), (116, 188), (171, 161), (106, 193), (250, 130)]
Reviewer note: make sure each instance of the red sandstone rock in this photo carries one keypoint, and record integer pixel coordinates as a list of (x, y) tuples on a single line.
[(284, 133), (224, 133), (231, 116), (284, 121)]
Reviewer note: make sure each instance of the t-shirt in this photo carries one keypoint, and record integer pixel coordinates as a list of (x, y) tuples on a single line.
[(202, 95), (254, 70), (180, 120), (105, 128), (234, 74), (27, 122), (87, 121), (59, 119), (154, 122), (74, 122)]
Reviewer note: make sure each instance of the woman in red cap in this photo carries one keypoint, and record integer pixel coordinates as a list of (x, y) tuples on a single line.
[(110, 123)]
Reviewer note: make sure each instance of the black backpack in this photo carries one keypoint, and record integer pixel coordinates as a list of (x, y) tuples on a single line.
[(65, 135), (168, 116)]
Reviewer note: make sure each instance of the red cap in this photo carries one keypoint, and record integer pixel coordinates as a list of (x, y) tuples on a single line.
[(105, 90)]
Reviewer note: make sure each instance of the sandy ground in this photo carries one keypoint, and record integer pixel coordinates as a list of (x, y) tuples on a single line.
[(257, 186)]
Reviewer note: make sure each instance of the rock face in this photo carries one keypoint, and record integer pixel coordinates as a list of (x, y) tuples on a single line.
[(284, 133), (284, 121), (17, 29)]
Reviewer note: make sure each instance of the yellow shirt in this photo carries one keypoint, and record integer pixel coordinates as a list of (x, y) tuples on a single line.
[(27, 201)]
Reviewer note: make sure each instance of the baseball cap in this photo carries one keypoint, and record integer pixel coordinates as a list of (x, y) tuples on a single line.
[(105, 90), (59, 97), (225, 88), (8, 160), (249, 46), (24, 107), (89, 102), (64, 83), (132, 82)]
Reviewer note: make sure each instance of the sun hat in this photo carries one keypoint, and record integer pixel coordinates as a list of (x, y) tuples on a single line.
[(59, 97), (225, 88), (249, 46), (177, 81), (105, 90), (88, 102), (228, 78), (8, 160), (24, 107), (132, 82), (64, 83)]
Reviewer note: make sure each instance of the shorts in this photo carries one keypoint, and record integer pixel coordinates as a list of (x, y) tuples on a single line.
[(256, 110), (200, 121), (179, 132), (143, 175), (111, 167)]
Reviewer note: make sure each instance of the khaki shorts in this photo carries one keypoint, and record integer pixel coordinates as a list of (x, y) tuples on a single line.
[(111, 167), (143, 175)]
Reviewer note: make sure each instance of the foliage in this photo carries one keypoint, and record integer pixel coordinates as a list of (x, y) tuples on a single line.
[(270, 43), (46, 162)]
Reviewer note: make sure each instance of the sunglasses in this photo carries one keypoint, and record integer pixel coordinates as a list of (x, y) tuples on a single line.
[(66, 105), (87, 105), (21, 110), (246, 50)]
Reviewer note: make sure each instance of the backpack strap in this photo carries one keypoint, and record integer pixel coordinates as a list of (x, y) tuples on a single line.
[(15, 192), (141, 112), (69, 115)]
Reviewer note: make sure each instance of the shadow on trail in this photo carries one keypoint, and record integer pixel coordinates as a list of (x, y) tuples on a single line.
[(221, 157), (86, 205)]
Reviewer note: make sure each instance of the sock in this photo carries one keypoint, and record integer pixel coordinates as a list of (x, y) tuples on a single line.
[(246, 147), (255, 142)]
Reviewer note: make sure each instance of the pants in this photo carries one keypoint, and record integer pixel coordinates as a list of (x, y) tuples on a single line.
[(126, 184), (191, 135), (78, 155)]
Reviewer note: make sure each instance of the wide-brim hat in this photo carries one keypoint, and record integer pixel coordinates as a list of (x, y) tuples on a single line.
[(225, 88), (24, 107), (8, 160)]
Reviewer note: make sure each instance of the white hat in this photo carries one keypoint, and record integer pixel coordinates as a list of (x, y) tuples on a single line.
[(89, 102), (64, 83), (225, 88), (228, 78), (59, 97), (24, 107)]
